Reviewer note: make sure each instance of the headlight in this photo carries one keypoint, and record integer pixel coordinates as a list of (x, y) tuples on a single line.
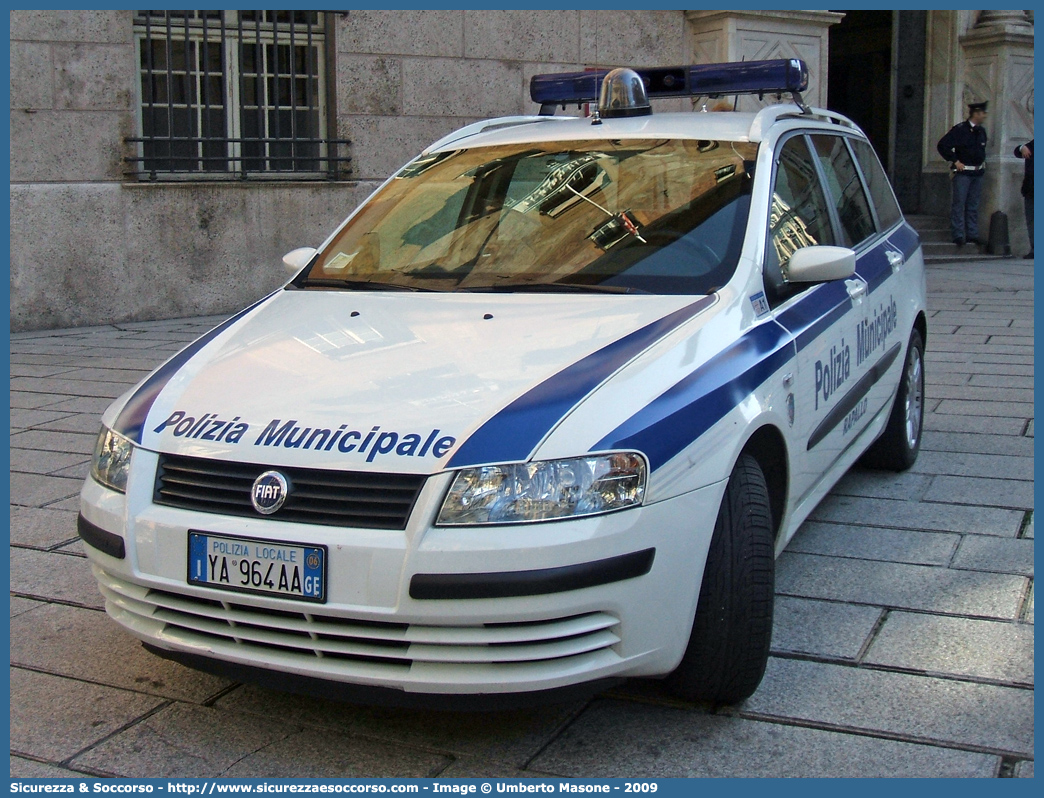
[(544, 490), (112, 454)]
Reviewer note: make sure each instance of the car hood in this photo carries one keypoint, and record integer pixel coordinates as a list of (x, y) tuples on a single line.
[(400, 382)]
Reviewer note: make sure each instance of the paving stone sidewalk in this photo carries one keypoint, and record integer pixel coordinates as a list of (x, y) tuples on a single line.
[(903, 641)]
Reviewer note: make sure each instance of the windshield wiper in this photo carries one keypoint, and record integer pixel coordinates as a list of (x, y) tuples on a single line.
[(550, 288), (625, 219), (357, 285)]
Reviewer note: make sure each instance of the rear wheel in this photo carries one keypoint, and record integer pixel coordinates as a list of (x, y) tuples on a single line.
[(897, 448), (729, 644)]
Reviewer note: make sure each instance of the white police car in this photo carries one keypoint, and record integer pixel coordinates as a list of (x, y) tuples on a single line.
[(539, 414)]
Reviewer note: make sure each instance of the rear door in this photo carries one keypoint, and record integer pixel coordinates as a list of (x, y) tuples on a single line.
[(903, 279), (866, 226)]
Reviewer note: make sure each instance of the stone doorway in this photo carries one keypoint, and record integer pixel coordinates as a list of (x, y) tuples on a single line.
[(876, 77)]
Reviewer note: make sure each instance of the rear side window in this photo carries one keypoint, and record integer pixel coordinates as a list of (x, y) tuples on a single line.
[(888, 212), (846, 190), (799, 216)]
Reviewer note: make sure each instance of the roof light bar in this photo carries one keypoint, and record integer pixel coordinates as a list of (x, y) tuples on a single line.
[(784, 75)]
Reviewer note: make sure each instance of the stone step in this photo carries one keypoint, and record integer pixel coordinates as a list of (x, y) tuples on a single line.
[(940, 261), (935, 236), (938, 248), (949, 248), (929, 222), (937, 245), (961, 257), (931, 229)]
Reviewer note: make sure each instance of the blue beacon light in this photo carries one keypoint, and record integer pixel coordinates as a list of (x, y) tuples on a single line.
[(780, 76)]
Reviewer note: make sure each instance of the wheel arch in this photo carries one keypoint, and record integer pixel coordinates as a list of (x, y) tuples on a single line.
[(921, 325), (768, 446)]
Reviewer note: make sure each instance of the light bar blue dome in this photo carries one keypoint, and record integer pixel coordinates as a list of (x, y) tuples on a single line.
[(623, 94)]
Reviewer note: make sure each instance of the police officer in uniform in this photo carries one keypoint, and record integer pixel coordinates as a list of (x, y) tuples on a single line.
[(1026, 151), (965, 148)]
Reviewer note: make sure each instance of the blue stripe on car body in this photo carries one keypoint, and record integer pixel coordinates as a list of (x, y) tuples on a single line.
[(822, 308), (906, 239), (874, 266), (513, 433), (131, 420), (675, 419), (684, 412)]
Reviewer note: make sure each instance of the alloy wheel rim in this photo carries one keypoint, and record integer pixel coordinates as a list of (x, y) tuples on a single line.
[(914, 399)]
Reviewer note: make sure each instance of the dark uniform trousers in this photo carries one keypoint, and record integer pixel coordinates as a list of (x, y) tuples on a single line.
[(965, 143), (1028, 202), (964, 210)]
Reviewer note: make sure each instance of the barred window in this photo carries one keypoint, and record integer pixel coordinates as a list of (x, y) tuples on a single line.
[(233, 94)]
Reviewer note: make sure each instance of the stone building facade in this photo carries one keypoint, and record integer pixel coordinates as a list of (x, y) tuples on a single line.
[(973, 56), (100, 234)]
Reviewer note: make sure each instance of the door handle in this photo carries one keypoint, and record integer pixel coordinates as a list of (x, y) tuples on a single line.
[(896, 259), (856, 289)]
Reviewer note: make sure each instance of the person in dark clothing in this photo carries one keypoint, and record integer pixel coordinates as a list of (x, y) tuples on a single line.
[(1026, 151), (965, 148)]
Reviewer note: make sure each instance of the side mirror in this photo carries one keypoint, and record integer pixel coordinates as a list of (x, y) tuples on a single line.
[(297, 259), (820, 263)]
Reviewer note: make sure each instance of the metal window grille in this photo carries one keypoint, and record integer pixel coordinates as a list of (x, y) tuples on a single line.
[(233, 94)]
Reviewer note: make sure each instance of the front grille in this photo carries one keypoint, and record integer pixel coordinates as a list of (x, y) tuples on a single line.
[(227, 626), (316, 496)]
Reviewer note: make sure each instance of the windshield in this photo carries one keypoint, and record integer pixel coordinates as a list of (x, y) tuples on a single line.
[(656, 216)]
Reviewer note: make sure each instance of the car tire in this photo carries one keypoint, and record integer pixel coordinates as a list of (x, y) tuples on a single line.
[(897, 448), (729, 644)]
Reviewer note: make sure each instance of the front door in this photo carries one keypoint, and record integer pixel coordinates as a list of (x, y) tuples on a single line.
[(823, 317)]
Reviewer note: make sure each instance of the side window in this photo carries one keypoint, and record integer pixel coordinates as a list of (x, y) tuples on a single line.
[(846, 190), (888, 212), (799, 215)]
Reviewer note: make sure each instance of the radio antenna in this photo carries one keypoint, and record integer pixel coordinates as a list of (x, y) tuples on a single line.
[(735, 100), (596, 117)]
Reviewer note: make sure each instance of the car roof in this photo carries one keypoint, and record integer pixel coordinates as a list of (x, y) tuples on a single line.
[(713, 125)]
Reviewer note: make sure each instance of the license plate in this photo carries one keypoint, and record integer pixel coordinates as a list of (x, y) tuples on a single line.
[(248, 565)]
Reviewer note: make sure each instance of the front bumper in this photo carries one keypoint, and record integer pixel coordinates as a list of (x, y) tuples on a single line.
[(375, 630)]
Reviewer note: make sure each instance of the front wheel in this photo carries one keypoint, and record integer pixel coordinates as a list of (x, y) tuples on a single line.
[(897, 448), (731, 633)]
